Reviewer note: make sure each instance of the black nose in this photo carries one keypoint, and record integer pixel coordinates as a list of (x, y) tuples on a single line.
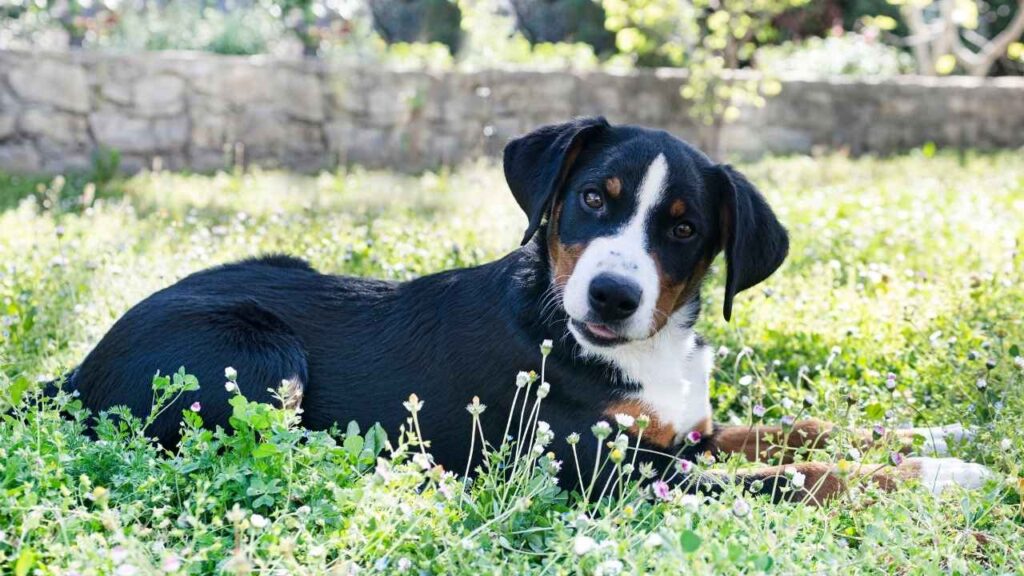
[(613, 297)]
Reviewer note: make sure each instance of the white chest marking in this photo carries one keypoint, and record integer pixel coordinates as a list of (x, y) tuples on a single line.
[(670, 371)]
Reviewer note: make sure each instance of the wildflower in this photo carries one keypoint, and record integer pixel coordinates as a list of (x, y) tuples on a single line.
[(693, 437), (572, 439), (723, 351), (118, 554), (543, 390), (836, 350), (545, 347), (691, 502), (896, 458), (660, 489), (787, 403), (475, 407), (230, 386), (617, 456), (653, 541), (796, 478), (854, 454), (990, 363), (230, 373), (235, 515), (403, 564), (601, 430), (522, 379), (583, 544), (684, 466), (809, 400), (643, 421), (787, 422), (608, 568), (422, 460), (758, 411), (707, 458), (844, 468), (890, 381), (1005, 444), (171, 563), (238, 563), (624, 421), (981, 384), (746, 380), (647, 470), (740, 508), (303, 510), (258, 521), (195, 407), (126, 570), (1018, 361), (877, 431), (413, 404)]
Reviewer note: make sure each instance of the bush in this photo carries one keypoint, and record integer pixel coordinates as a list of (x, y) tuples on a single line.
[(850, 54)]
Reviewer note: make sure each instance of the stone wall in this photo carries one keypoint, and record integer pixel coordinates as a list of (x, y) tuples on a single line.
[(203, 112)]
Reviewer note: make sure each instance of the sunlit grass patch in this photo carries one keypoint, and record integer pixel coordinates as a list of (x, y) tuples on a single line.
[(901, 303)]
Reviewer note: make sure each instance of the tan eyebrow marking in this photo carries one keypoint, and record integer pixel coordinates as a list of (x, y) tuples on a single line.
[(677, 209), (614, 187)]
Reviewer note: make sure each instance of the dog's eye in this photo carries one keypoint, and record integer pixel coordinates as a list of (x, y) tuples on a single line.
[(593, 199), (682, 231)]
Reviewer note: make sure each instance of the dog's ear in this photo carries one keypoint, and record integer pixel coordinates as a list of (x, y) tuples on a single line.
[(754, 241), (536, 164)]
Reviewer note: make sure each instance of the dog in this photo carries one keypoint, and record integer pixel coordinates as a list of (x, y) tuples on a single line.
[(624, 223)]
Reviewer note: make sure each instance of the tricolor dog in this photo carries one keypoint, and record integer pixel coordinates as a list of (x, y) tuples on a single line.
[(624, 223)]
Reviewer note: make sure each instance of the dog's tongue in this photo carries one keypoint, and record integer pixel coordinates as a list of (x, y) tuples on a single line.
[(601, 330)]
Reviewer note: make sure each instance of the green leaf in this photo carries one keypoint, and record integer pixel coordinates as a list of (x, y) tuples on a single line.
[(689, 541), (17, 388), (265, 451), (1014, 350), (352, 429), (353, 445), (26, 560), (874, 411)]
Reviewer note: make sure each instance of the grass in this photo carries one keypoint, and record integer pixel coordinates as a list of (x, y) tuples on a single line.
[(910, 266)]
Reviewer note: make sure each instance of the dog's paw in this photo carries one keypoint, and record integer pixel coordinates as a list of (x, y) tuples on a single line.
[(937, 474), (937, 439)]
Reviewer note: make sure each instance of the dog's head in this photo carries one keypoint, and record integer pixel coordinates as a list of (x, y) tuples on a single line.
[(635, 218)]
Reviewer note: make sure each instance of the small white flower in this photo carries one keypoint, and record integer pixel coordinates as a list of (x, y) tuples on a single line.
[(787, 403), (723, 351), (981, 384), (422, 460), (522, 379), (230, 386), (740, 508), (1005, 444), (798, 480), (545, 347), (230, 373), (624, 420), (404, 564), (854, 454), (126, 570), (746, 380), (258, 521), (654, 541), (608, 568), (543, 390), (118, 554), (583, 544), (1018, 361), (691, 502), (601, 430), (413, 404)]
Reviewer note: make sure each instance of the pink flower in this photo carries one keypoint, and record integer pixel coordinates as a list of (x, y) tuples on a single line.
[(693, 437), (660, 488), (685, 466), (195, 407)]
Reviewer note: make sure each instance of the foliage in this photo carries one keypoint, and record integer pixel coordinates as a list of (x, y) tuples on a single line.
[(910, 266), (849, 54)]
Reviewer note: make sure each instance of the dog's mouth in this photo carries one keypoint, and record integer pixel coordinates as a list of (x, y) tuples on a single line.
[(598, 334)]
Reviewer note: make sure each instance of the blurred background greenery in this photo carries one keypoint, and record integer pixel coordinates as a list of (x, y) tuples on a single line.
[(828, 37)]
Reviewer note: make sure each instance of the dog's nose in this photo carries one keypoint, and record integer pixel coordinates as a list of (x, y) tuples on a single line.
[(613, 297)]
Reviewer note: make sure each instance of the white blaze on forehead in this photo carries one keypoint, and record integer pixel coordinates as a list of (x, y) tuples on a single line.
[(624, 253)]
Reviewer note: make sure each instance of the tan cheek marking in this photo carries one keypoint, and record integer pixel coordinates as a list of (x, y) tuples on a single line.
[(563, 258), (672, 295), (677, 209), (658, 433), (614, 187)]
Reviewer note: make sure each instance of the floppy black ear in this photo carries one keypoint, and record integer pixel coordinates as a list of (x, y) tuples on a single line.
[(755, 242), (537, 163)]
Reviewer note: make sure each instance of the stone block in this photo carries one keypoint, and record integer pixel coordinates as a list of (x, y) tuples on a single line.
[(162, 95), (52, 82)]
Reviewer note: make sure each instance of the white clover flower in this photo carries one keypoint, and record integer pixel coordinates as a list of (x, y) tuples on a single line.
[(608, 568), (543, 390), (230, 386), (522, 379), (583, 544), (601, 430), (258, 521), (545, 347), (230, 373), (745, 380), (740, 508), (624, 420), (1005, 444), (404, 564), (798, 480)]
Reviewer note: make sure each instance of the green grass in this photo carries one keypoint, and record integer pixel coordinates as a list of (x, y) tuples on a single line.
[(911, 265)]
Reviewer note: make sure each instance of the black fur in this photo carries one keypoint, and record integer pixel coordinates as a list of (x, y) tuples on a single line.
[(360, 347)]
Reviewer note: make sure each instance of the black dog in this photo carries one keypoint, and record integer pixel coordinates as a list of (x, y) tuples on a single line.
[(624, 223)]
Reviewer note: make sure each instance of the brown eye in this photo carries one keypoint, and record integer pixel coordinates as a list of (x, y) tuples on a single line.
[(682, 231), (593, 199)]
